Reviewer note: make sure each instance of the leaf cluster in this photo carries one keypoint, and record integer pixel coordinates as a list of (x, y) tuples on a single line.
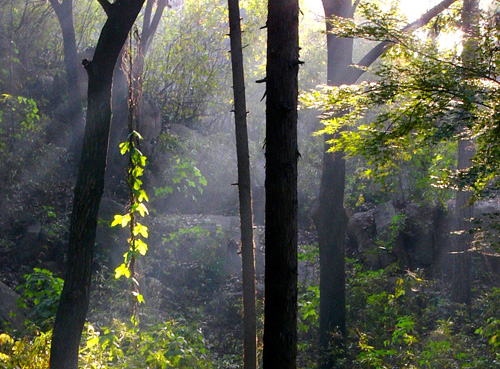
[(420, 99)]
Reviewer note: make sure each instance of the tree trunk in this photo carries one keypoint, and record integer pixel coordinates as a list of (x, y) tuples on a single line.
[(330, 218), (64, 13), (74, 301), (461, 271), (280, 320), (244, 190)]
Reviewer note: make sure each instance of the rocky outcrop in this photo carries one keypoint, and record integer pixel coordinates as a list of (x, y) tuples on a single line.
[(415, 236)]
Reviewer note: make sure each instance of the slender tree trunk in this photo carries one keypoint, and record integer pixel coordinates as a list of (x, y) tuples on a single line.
[(331, 218), (461, 275), (64, 13), (244, 189), (280, 320), (74, 301)]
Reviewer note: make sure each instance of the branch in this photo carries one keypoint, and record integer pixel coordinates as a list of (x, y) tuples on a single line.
[(147, 17), (354, 6), (106, 5), (382, 47), (55, 5), (427, 17), (150, 26)]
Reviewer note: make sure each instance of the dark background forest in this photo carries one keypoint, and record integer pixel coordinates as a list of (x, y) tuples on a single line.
[(122, 230)]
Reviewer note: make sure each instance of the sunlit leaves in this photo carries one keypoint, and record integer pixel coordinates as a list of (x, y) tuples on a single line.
[(140, 229), (122, 270), (122, 220), (421, 100)]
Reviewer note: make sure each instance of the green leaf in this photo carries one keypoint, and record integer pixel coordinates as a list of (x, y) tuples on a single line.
[(124, 147), (142, 209), (122, 270), (140, 298), (141, 229), (141, 247), (142, 196)]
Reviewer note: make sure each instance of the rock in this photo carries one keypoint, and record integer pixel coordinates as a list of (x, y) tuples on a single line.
[(361, 232), (383, 216), (150, 126), (11, 317), (30, 245)]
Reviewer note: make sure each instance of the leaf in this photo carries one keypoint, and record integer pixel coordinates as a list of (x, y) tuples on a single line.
[(141, 229), (142, 209), (91, 342), (142, 196), (141, 247), (118, 220), (140, 298), (122, 270), (124, 147)]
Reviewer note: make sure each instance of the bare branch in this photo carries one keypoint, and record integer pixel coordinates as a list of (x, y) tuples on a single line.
[(354, 6), (427, 17), (147, 17), (149, 26), (382, 47)]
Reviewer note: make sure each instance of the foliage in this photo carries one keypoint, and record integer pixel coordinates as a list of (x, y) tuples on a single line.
[(41, 290), (186, 78), (25, 353), (204, 251), (182, 176), (422, 98), (167, 345)]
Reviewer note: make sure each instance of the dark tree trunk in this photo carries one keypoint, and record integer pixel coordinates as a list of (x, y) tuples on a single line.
[(280, 320), (74, 301), (461, 277), (244, 189)]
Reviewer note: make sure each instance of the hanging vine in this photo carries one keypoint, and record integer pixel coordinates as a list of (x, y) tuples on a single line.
[(136, 165)]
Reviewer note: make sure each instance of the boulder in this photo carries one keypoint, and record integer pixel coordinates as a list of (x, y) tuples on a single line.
[(11, 317), (30, 245)]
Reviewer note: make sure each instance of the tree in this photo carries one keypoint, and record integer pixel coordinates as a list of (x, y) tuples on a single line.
[(280, 315), (461, 278), (89, 186), (244, 190), (64, 13), (330, 217)]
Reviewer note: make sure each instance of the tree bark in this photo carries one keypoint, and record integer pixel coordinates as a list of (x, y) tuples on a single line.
[(74, 300), (244, 190), (280, 320)]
